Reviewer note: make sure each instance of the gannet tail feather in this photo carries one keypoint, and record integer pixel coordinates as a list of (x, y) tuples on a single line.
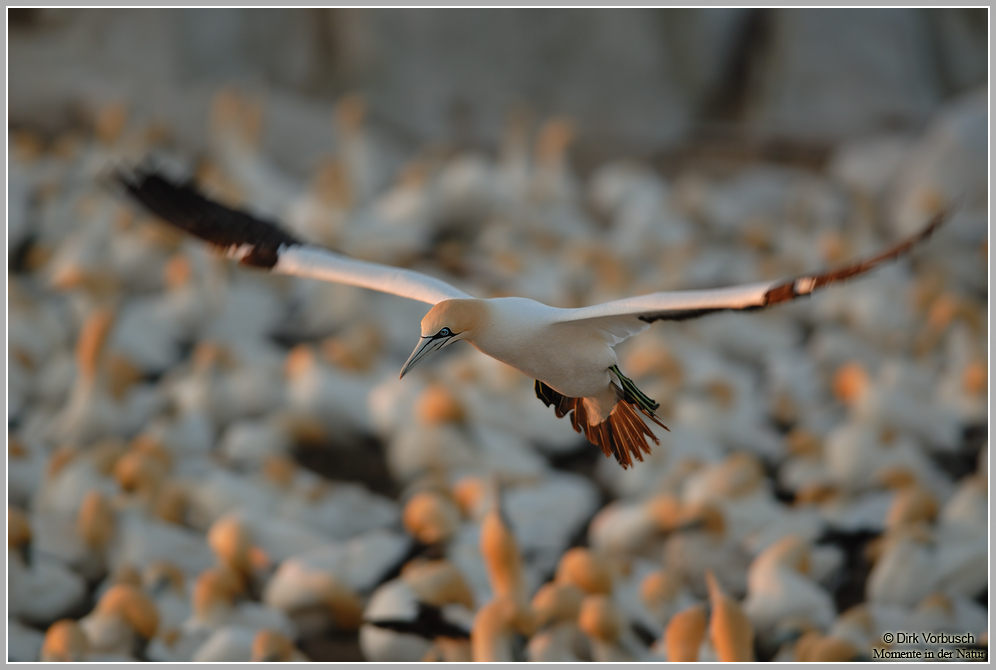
[(622, 434), (261, 243), (624, 318)]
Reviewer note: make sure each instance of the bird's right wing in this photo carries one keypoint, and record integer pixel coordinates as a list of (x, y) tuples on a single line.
[(620, 319), (255, 241)]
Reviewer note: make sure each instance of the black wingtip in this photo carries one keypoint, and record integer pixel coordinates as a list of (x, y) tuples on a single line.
[(182, 205)]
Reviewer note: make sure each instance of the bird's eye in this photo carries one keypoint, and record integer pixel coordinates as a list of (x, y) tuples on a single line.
[(445, 332)]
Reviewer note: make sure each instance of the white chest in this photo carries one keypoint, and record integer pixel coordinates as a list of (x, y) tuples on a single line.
[(527, 336)]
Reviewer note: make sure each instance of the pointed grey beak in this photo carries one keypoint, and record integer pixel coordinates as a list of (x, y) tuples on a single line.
[(425, 347)]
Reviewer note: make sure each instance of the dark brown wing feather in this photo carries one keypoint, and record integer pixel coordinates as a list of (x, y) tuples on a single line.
[(804, 285), (790, 289)]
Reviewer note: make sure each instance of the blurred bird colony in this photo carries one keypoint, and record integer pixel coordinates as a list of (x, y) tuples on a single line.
[(209, 463)]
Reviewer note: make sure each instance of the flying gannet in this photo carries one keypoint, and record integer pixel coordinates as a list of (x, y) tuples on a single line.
[(569, 352)]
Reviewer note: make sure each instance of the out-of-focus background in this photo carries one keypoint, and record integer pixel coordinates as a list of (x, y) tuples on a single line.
[(200, 452), (635, 82)]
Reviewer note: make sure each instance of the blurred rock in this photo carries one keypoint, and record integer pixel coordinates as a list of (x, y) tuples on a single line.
[(856, 414)]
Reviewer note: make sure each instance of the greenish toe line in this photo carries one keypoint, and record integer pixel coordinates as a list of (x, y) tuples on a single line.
[(630, 388)]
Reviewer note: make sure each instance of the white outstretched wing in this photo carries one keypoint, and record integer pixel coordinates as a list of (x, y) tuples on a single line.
[(317, 263), (257, 242), (254, 241), (620, 319)]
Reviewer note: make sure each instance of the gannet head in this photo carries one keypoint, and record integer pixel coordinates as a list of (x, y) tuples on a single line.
[(685, 632), (65, 641), (229, 539), (731, 631), (555, 602), (431, 517), (447, 322), (270, 646), (134, 607), (95, 520), (585, 569), (214, 591), (599, 618)]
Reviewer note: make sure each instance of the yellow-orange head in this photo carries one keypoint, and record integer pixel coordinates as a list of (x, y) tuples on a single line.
[(447, 322)]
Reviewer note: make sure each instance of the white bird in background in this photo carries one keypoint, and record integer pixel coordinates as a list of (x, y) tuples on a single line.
[(569, 352)]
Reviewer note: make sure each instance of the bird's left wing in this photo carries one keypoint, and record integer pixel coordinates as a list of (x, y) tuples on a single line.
[(620, 319), (255, 241)]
